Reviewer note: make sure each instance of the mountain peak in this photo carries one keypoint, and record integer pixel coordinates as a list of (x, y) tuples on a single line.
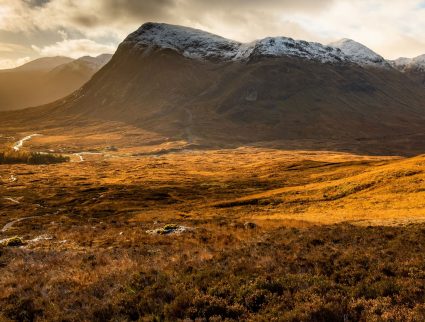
[(97, 61), (416, 63), (191, 42), (198, 44), (359, 53), (202, 45)]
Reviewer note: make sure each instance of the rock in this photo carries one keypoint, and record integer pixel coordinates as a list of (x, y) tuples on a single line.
[(12, 242), (250, 225), (169, 229), (111, 148)]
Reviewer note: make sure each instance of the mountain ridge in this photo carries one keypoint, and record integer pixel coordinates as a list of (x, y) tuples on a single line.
[(45, 80), (43, 63), (198, 44)]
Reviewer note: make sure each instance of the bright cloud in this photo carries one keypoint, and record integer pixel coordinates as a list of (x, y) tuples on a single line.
[(75, 48), (12, 63)]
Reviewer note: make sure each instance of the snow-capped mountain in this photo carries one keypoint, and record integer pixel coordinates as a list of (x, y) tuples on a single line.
[(403, 64), (197, 44), (359, 53), (186, 84)]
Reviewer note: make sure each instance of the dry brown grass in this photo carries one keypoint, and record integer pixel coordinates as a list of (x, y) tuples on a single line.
[(305, 261), (218, 271)]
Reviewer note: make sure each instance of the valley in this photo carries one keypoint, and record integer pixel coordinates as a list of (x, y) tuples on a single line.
[(191, 177), (134, 221)]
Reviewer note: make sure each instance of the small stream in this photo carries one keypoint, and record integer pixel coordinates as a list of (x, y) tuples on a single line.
[(13, 222), (80, 154), (18, 145)]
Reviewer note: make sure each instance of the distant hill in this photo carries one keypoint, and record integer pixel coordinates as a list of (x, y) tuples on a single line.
[(45, 80), (41, 64)]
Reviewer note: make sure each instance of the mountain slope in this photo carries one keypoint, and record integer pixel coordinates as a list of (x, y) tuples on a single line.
[(186, 84), (45, 80)]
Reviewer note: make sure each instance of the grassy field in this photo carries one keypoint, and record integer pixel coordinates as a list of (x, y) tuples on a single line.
[(237, 234)]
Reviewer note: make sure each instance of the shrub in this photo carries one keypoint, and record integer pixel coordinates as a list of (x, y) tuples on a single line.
[(207, 306), (16, 157)]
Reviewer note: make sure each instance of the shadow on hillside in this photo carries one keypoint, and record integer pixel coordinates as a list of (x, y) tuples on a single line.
[(42, 119)]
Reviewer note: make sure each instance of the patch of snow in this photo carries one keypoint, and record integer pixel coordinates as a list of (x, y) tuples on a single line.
[(201, 45)]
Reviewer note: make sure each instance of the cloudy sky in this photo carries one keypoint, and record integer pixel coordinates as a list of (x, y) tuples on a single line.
[(33, 28)]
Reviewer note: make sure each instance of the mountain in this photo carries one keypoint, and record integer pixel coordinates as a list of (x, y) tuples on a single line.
[(359, 53), (71, 76), (188, 84), (42, 64), (85, 64), (413, 67), (410, 63), (45, 80)]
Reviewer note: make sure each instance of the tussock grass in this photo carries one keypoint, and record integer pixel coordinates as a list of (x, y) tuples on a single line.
[(222, 272)]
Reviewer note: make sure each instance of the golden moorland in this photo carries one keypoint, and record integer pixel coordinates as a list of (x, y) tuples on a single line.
[(165, 232)]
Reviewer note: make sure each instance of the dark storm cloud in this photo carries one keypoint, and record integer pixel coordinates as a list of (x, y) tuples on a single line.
[(36, 3), (140, 9), (241, 5), (86, 20), (126, 10), (92, 15), (190, 10)]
